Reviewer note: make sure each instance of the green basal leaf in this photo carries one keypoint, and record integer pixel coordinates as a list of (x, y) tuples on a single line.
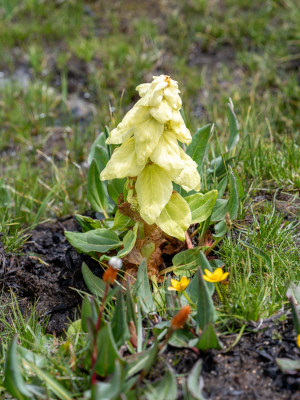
[(130, 304), (107, 351), (95, 241), (166, 388), (175, 218), (201, 206), (186, 262), (196, 150), (87, 223), (141, 361), (101, 156), (95, 284), (118, 323), (207, 340), (100, 141), (97, 193), (142, 289), (193, 287), (13, 380), (115, 187), (129, 241), (180, 338), (121, 221), (88, 310), (206, 311), (195, 382), (110, 390), (171, 299)]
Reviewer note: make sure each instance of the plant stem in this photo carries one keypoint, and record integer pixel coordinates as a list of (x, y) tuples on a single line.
[(189, 243), (219, 293), (97, 328), (188, 299)]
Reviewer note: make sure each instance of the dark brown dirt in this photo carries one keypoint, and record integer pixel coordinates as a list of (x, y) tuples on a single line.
[(47, 272), (249, 370)]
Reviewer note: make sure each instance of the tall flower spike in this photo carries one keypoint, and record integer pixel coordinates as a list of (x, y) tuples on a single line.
[(149, 135)]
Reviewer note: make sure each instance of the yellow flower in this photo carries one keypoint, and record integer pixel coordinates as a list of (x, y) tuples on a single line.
[(179, 286), (298, 340), (217, 276)]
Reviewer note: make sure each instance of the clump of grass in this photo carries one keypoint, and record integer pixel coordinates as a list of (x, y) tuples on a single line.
[(263, 259)]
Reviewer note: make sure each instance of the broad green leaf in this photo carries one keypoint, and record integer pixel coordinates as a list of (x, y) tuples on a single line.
[(52, 384), (13, 380), (175, 218), (186, 262), (181, 338), (196, 150), (107, 351), (101, 157), (201, 206), (219, 210), (207, 340), (88, 311), (115, 187), (95, 241), (87, 223), (130, 304), (95, 284), (154, 190), (109, 390), (97, 193), (206, 312), (222, 185), (233, 127), (121, 221), (141, 361), (29, 356), (195, 382), (100, 140), (288, 365), (164, 389), (118, 323), (129, 241), (258, 253), (239, 184), (142, 289)]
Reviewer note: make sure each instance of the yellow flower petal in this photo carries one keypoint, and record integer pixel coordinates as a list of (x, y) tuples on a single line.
[(162, 113), (206, 278), (298, 340), (175, 284), (147, 135), (224, 276), (154, 189), (122, 163), (218, 274), (208, 273)]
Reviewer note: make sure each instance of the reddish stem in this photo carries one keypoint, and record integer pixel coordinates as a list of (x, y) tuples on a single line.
[(189, 243), (97, 328)]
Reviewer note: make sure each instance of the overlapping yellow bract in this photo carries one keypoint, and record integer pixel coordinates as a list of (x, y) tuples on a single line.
[(149, 135)]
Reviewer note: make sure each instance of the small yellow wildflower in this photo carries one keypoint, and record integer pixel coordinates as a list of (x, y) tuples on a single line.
[(179, 286), (298, 340), (217, 276)]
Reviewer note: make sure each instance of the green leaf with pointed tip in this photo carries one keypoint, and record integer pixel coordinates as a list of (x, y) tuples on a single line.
[(100, 141), (193, 287), (118, 323), (107, 351), (186, 262), (88, 311), (95, 284), (206, 311), (115, 187), (207, 340), (129, 241), (87, 223), (101, 156), (94, 241), (109, 390), (121, 221), (141, 361), (199, 144), (52, 384), (165, 388), (142, 289), (201, 206), (97, 193), (195, 382), (171, 299), (233, 127), (13, 380)]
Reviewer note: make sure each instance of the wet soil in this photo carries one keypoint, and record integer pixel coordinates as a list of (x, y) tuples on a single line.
[(248, 371), (48, 273)]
